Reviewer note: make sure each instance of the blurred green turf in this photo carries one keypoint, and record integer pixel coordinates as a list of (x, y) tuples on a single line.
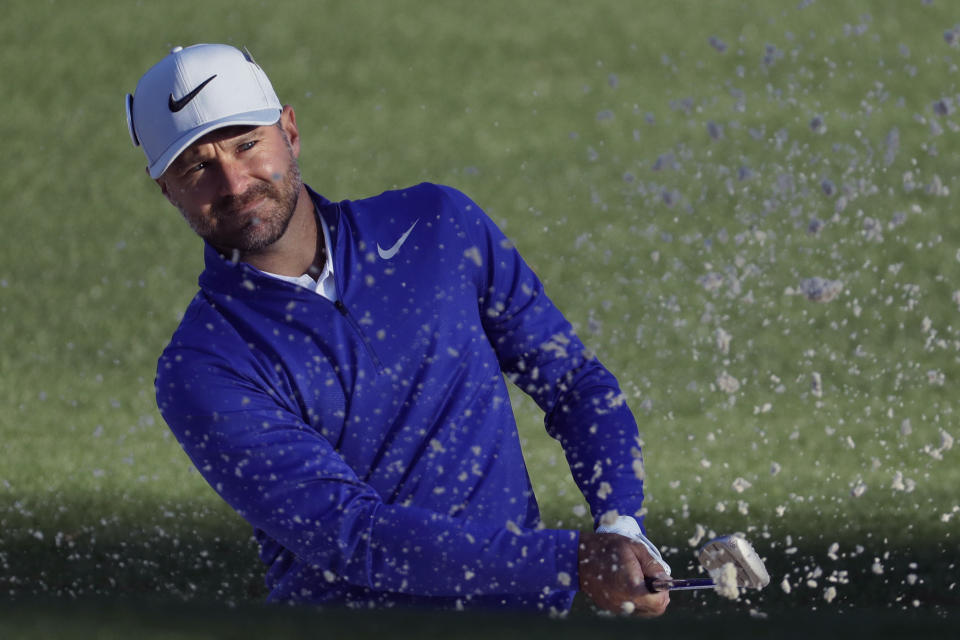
[(108, 620), (661, 184)]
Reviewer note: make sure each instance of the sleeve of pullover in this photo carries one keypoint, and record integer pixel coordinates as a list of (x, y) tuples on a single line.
[(584, 407)]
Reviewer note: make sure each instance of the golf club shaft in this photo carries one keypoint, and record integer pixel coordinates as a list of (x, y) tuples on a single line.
[(658, 584)]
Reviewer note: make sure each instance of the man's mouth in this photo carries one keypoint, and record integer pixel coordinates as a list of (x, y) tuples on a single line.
[(249, 206), (243, 216)]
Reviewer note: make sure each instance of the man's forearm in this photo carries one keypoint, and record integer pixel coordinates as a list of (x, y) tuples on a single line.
[(416, 551)]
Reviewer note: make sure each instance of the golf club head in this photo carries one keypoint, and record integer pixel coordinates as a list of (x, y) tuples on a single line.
[(735, 550), (713, 556)]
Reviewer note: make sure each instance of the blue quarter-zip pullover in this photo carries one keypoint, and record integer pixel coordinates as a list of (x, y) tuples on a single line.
[(371, 442)]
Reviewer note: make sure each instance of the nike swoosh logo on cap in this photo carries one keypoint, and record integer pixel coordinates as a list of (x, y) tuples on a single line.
[(175, 104), (386, 254)]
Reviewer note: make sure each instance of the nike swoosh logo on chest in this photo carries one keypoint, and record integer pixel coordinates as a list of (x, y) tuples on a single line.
[(386, 254)]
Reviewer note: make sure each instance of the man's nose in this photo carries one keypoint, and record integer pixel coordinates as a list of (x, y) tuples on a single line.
[(233, 178)]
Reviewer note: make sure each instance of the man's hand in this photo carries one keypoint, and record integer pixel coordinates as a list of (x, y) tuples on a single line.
[(612, 568)]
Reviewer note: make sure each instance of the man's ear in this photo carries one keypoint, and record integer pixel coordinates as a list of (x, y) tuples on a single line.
[(288, 123)]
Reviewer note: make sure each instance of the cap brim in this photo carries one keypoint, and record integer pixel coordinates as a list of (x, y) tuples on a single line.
[(259, 118)]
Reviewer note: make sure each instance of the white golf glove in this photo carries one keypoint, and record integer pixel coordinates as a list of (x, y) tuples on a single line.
[(628, 527)]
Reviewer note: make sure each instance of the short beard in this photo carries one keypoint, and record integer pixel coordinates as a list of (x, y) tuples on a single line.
[(274, 216)]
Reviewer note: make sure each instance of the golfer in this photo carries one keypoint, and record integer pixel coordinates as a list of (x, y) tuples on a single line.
[(339, 377)]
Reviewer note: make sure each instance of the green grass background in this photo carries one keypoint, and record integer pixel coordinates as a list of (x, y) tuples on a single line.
[(662, 184)]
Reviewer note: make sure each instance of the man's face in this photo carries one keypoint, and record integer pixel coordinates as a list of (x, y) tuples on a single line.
[(238, 187)]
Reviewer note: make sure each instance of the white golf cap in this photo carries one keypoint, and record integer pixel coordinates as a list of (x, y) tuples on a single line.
[(192, 92)]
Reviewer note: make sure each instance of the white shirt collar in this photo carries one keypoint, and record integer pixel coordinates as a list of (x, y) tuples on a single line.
[(324, 285)]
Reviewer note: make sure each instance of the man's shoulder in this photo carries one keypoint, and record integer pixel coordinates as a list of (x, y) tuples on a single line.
[(418, 194), (386, 216), (203, 332)]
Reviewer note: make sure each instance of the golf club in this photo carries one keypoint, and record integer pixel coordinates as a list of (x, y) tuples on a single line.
[(714, 556)]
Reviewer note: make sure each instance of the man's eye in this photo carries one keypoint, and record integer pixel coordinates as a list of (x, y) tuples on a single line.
[(246, 146), (200, 166)]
